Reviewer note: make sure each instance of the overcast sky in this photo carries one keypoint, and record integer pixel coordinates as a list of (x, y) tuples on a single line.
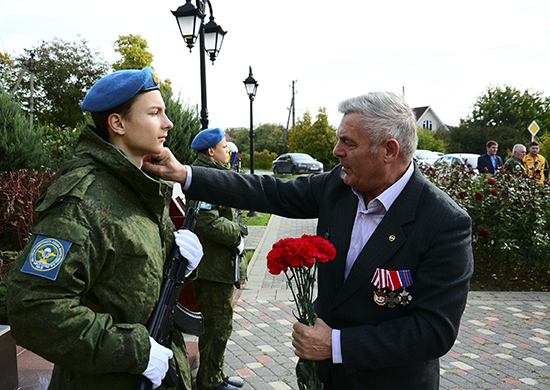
[(442, 54)]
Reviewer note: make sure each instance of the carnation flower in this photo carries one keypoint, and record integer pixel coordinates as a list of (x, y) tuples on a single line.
[(299, 259), (478, 196), (494, 192), (483, 233), (491, 181)]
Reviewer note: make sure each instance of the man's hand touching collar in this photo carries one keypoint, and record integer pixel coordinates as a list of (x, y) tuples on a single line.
[(165, 165)]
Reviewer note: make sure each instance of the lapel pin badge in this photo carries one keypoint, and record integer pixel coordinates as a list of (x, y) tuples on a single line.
[(391, 238)]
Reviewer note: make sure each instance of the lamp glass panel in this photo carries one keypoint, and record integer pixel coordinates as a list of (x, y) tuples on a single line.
[(187, 26), (210, 41), (250, 88)]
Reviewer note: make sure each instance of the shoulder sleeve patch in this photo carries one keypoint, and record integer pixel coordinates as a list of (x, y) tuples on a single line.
[(46, 256), (206, 206)]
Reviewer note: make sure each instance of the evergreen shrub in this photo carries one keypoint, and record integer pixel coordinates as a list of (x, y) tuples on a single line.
[(20, 146)]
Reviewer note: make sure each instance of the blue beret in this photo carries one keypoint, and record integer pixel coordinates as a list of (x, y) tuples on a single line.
[(118, 87), (207, 139)]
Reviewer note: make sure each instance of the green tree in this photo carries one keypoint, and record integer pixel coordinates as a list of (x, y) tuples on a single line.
[(20, 147), (427, 140), (59, 143), (316, 139), (65, 71), (508, 106), (240, 137), (268, 136), (8, 72), (297, 134), (500, 114), (133, 52), (186, 126)]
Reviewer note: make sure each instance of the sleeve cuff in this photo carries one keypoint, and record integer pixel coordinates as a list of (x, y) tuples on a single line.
[(187, 183), (336, 347)]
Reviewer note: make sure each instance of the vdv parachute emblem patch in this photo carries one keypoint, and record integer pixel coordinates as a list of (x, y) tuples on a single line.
[(46, 256)]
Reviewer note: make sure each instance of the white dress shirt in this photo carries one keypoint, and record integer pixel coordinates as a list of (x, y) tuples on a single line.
[(367, 220)]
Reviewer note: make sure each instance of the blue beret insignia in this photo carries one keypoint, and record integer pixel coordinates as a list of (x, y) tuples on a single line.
[(46, 256), (207, 139)]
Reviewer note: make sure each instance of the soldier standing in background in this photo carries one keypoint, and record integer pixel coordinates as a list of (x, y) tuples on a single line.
[(221, 238), (515, 162)]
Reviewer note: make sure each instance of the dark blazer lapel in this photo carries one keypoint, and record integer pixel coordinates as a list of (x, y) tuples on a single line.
[(344, 211), (386, 239)]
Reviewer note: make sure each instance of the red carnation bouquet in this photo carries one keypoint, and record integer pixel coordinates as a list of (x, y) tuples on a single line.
[(299, 259)]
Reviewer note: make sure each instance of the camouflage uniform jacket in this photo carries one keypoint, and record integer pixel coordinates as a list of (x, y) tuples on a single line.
[(89, 319), (219, 234), (513, 164)]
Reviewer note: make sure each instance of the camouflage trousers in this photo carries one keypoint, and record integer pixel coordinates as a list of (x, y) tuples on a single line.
[(215, 301)]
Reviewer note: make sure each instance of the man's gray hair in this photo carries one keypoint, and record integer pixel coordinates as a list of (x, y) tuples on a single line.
[(518, 147), (385, 116)]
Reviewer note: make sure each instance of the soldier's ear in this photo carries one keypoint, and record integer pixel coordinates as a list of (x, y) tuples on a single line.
[(116, 124)]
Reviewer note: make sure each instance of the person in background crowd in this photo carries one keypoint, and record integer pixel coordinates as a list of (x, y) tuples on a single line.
[(490, 162), (88, 280), (535, 163), (390, 304), (515, 162)]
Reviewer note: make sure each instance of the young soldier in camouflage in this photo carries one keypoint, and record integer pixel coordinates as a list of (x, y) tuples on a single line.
[(220, 236), (80, 293)]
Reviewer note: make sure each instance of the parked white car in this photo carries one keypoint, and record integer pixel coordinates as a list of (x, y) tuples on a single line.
[(423, 156), (469, 159)]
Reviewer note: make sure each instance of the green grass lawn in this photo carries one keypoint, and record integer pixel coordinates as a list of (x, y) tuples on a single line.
[(261, 220)]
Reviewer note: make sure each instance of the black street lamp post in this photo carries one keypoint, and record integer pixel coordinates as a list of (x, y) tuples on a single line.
[(251, 86), (191, 24)]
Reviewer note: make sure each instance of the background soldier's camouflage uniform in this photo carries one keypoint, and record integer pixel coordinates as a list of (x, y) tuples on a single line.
[(219, 234)]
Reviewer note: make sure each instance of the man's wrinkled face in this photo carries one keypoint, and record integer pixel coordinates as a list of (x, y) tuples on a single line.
[(364, 170), (520, 153)]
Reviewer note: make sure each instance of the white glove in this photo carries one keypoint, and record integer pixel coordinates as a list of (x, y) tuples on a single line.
[(190, 248), (240, 248), (158, 363)]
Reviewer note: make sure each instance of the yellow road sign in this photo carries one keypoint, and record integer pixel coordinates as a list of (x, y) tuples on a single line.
[(533, 127)]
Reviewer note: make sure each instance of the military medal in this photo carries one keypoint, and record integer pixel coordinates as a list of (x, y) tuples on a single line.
[(393, 280), (380, 297), (404, 297), (392, 299)]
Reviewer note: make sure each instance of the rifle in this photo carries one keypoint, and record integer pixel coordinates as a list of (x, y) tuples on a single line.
[(168, 313), (244, 232)]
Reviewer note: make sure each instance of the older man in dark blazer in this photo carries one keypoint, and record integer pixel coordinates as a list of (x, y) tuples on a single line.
[(390, 304)]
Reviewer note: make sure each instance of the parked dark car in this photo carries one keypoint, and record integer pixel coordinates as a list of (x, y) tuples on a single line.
[(296, 163)]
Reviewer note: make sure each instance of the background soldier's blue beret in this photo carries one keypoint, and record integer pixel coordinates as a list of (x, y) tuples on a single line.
[(207, 139), (118, 87)]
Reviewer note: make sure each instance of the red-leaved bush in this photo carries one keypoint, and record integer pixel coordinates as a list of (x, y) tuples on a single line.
[(19, 192)]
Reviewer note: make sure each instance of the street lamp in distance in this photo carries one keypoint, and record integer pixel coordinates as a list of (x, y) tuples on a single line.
[(251, 86)]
